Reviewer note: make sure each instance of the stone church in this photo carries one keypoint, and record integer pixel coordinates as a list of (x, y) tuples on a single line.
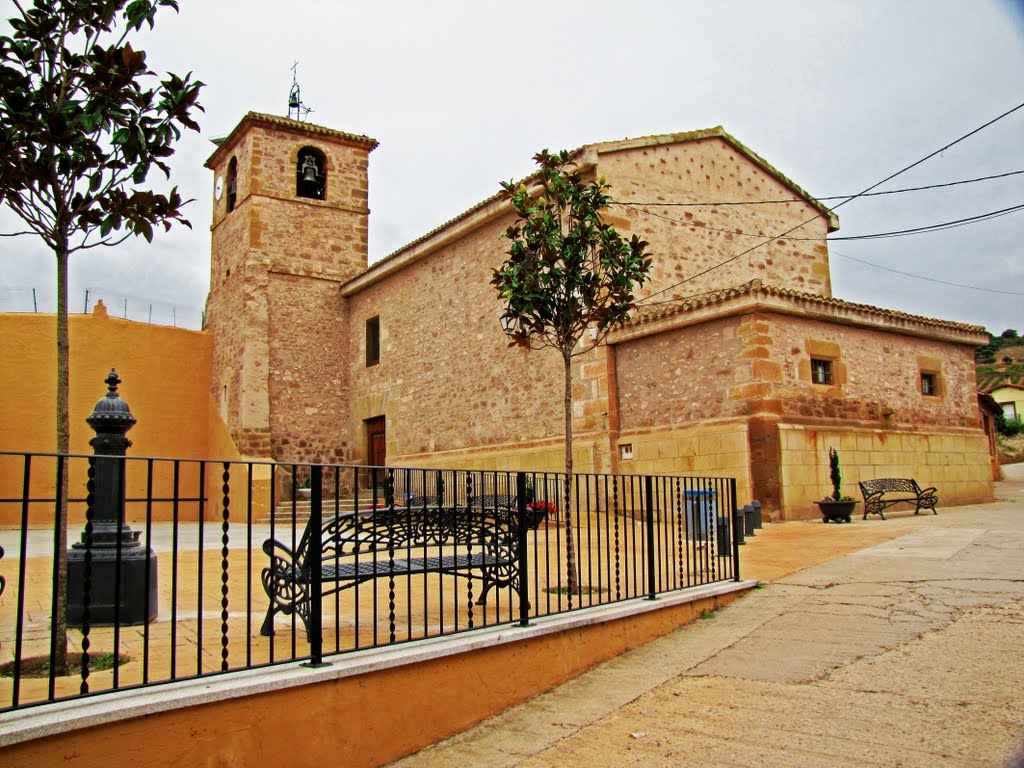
[(740, 363)]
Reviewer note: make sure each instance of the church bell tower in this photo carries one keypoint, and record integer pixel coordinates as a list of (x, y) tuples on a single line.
[(289, 227)]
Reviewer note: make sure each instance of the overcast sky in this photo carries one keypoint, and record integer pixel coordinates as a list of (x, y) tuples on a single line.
[(837, 95)]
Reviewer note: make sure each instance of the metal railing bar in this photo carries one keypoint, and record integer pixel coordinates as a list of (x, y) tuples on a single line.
[(175, 510), (148, 545), (200, 566)]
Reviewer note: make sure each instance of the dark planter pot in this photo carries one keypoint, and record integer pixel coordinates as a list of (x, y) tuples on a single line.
[(840, 511), (535, 516)]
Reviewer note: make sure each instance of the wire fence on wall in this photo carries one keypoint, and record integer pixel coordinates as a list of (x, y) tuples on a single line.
[(136, 308)]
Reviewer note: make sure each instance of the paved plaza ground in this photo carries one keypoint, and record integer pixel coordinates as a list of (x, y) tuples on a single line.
[(895, 643)]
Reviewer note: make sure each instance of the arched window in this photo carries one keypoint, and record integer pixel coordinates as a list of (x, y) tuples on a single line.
[(232, 183), (311, 174)]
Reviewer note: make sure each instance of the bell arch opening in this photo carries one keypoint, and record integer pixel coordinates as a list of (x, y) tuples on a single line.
[(311, 174)]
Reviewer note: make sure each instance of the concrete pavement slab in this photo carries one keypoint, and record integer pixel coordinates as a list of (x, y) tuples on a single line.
[(891, 643)]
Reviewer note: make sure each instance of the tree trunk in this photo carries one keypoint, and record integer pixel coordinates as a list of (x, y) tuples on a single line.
[(60, 618), (572, 583)]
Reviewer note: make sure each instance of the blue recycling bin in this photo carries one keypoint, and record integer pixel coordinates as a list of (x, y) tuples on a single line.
[(701, 512)]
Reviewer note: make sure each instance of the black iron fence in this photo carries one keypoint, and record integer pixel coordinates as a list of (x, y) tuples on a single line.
[(183, 568)]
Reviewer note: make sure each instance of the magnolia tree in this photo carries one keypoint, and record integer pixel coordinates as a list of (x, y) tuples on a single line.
[(83, 121), (567, 271)]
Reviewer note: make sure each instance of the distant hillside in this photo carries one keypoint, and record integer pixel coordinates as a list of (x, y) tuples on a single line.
[(1000, 362), (994, 376)]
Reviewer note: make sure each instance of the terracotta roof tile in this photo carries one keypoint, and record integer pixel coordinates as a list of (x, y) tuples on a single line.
[(757, 287), (276, 121)]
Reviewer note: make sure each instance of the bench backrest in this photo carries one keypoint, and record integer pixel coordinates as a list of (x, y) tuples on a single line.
[(402, 529), (897, 484)]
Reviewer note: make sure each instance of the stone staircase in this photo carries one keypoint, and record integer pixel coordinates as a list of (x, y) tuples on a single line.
[(283, 511)]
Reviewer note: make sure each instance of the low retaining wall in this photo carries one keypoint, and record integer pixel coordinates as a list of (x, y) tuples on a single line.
[(364, 710)]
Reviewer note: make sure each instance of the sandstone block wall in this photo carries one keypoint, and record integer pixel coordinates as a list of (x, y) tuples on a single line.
[(447, 379), (879, 374), (688, 240), (307, 387), (680, 377), (716, 449), (953, 461), (274, 308)]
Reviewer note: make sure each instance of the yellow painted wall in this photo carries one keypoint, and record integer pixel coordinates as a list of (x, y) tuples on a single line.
[(361, 721), (165, 375), (1013, 395), (956, 463)]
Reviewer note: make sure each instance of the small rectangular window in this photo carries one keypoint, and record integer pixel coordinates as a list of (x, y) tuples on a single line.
[(821, 371), (373, 340), (625, 451), (929, 384)]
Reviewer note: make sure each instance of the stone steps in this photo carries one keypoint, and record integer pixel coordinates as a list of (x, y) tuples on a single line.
[(283, 511)]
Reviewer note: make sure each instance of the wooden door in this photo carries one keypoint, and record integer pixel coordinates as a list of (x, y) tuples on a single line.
[(376, 454)]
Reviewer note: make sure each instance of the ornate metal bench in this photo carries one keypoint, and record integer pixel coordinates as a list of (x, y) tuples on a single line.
[(877, 495), (475, 542)]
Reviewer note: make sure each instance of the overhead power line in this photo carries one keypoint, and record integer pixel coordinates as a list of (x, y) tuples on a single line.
[(931, 227), (874, 236), (724, 203), (929, 279), (890, 177)]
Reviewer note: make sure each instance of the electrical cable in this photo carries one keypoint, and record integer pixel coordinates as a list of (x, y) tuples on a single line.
[(929, 279), (723, 203), (844, 202), (875, 236)]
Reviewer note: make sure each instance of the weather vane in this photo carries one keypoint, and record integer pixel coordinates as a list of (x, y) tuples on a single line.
[(294, 99)]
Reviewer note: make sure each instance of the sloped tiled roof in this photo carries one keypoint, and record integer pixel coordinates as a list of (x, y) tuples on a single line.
[(797, 300), (276, 121)]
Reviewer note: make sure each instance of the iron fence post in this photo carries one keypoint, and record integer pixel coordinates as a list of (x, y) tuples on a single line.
[(314, 559), (523, 583), (652, 589), (735, 533)]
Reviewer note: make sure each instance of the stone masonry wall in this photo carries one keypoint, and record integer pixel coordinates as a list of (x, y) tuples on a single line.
[(447, 382), (274, 307), (757, 368), (309, 392), (686, 241), (678, 377), (236, 318), (878, 374), (446, 379), (708, 449), (953, 461)]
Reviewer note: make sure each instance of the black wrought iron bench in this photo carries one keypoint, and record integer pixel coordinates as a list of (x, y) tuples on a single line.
[(475, 542), (882, 493)]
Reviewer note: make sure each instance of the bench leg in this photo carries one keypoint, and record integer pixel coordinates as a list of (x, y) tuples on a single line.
[(482, 600), (268, 623)]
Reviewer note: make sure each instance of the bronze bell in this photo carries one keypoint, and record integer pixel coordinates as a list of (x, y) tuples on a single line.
[(310, 172)]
